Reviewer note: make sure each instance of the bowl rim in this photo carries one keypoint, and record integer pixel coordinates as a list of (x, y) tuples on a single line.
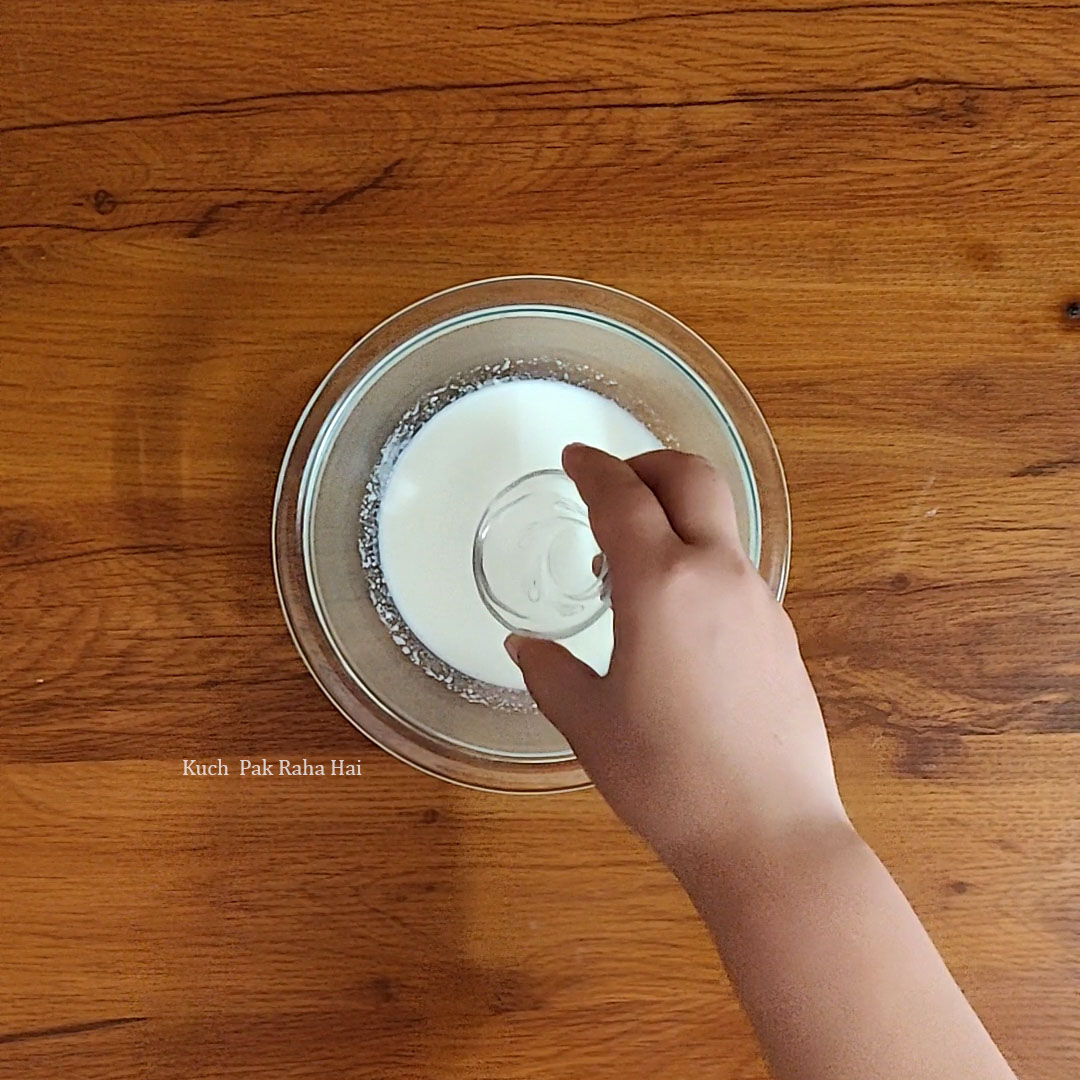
[(370, 715)]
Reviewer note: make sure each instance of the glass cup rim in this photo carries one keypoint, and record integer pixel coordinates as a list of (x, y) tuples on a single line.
[(483, 585)]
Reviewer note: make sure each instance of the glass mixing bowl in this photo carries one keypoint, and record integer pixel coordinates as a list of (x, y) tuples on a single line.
[(336, 603)]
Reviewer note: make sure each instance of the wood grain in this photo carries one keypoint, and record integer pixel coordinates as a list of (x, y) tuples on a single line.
[(870, 208)]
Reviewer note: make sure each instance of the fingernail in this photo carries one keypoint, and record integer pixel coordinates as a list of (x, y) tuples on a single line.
[(512, 647)]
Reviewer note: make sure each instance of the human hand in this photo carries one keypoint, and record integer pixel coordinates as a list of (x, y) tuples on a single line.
[(706, 737), (706, 731)]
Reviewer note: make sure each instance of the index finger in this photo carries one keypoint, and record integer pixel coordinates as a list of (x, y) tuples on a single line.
[(625, 516)]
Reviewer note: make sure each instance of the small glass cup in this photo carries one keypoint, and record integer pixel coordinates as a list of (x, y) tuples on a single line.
[(537, 565)]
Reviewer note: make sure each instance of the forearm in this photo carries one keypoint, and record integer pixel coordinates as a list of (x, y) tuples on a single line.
[(834, 968)]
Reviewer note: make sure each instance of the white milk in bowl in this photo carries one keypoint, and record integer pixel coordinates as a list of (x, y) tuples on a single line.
[(439, 487)]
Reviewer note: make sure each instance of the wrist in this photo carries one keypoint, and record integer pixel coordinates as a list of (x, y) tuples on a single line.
[(728, 864)]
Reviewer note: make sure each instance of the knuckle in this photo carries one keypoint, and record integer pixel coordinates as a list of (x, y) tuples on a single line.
[(680, 571), (739, 567)]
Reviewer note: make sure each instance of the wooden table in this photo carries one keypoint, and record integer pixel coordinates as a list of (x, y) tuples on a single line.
[(871, 209)]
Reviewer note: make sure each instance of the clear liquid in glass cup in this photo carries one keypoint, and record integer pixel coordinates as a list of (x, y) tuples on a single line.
[(537, 565)]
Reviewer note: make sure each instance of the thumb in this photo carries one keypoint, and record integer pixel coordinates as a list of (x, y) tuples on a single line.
[(558, 681)]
